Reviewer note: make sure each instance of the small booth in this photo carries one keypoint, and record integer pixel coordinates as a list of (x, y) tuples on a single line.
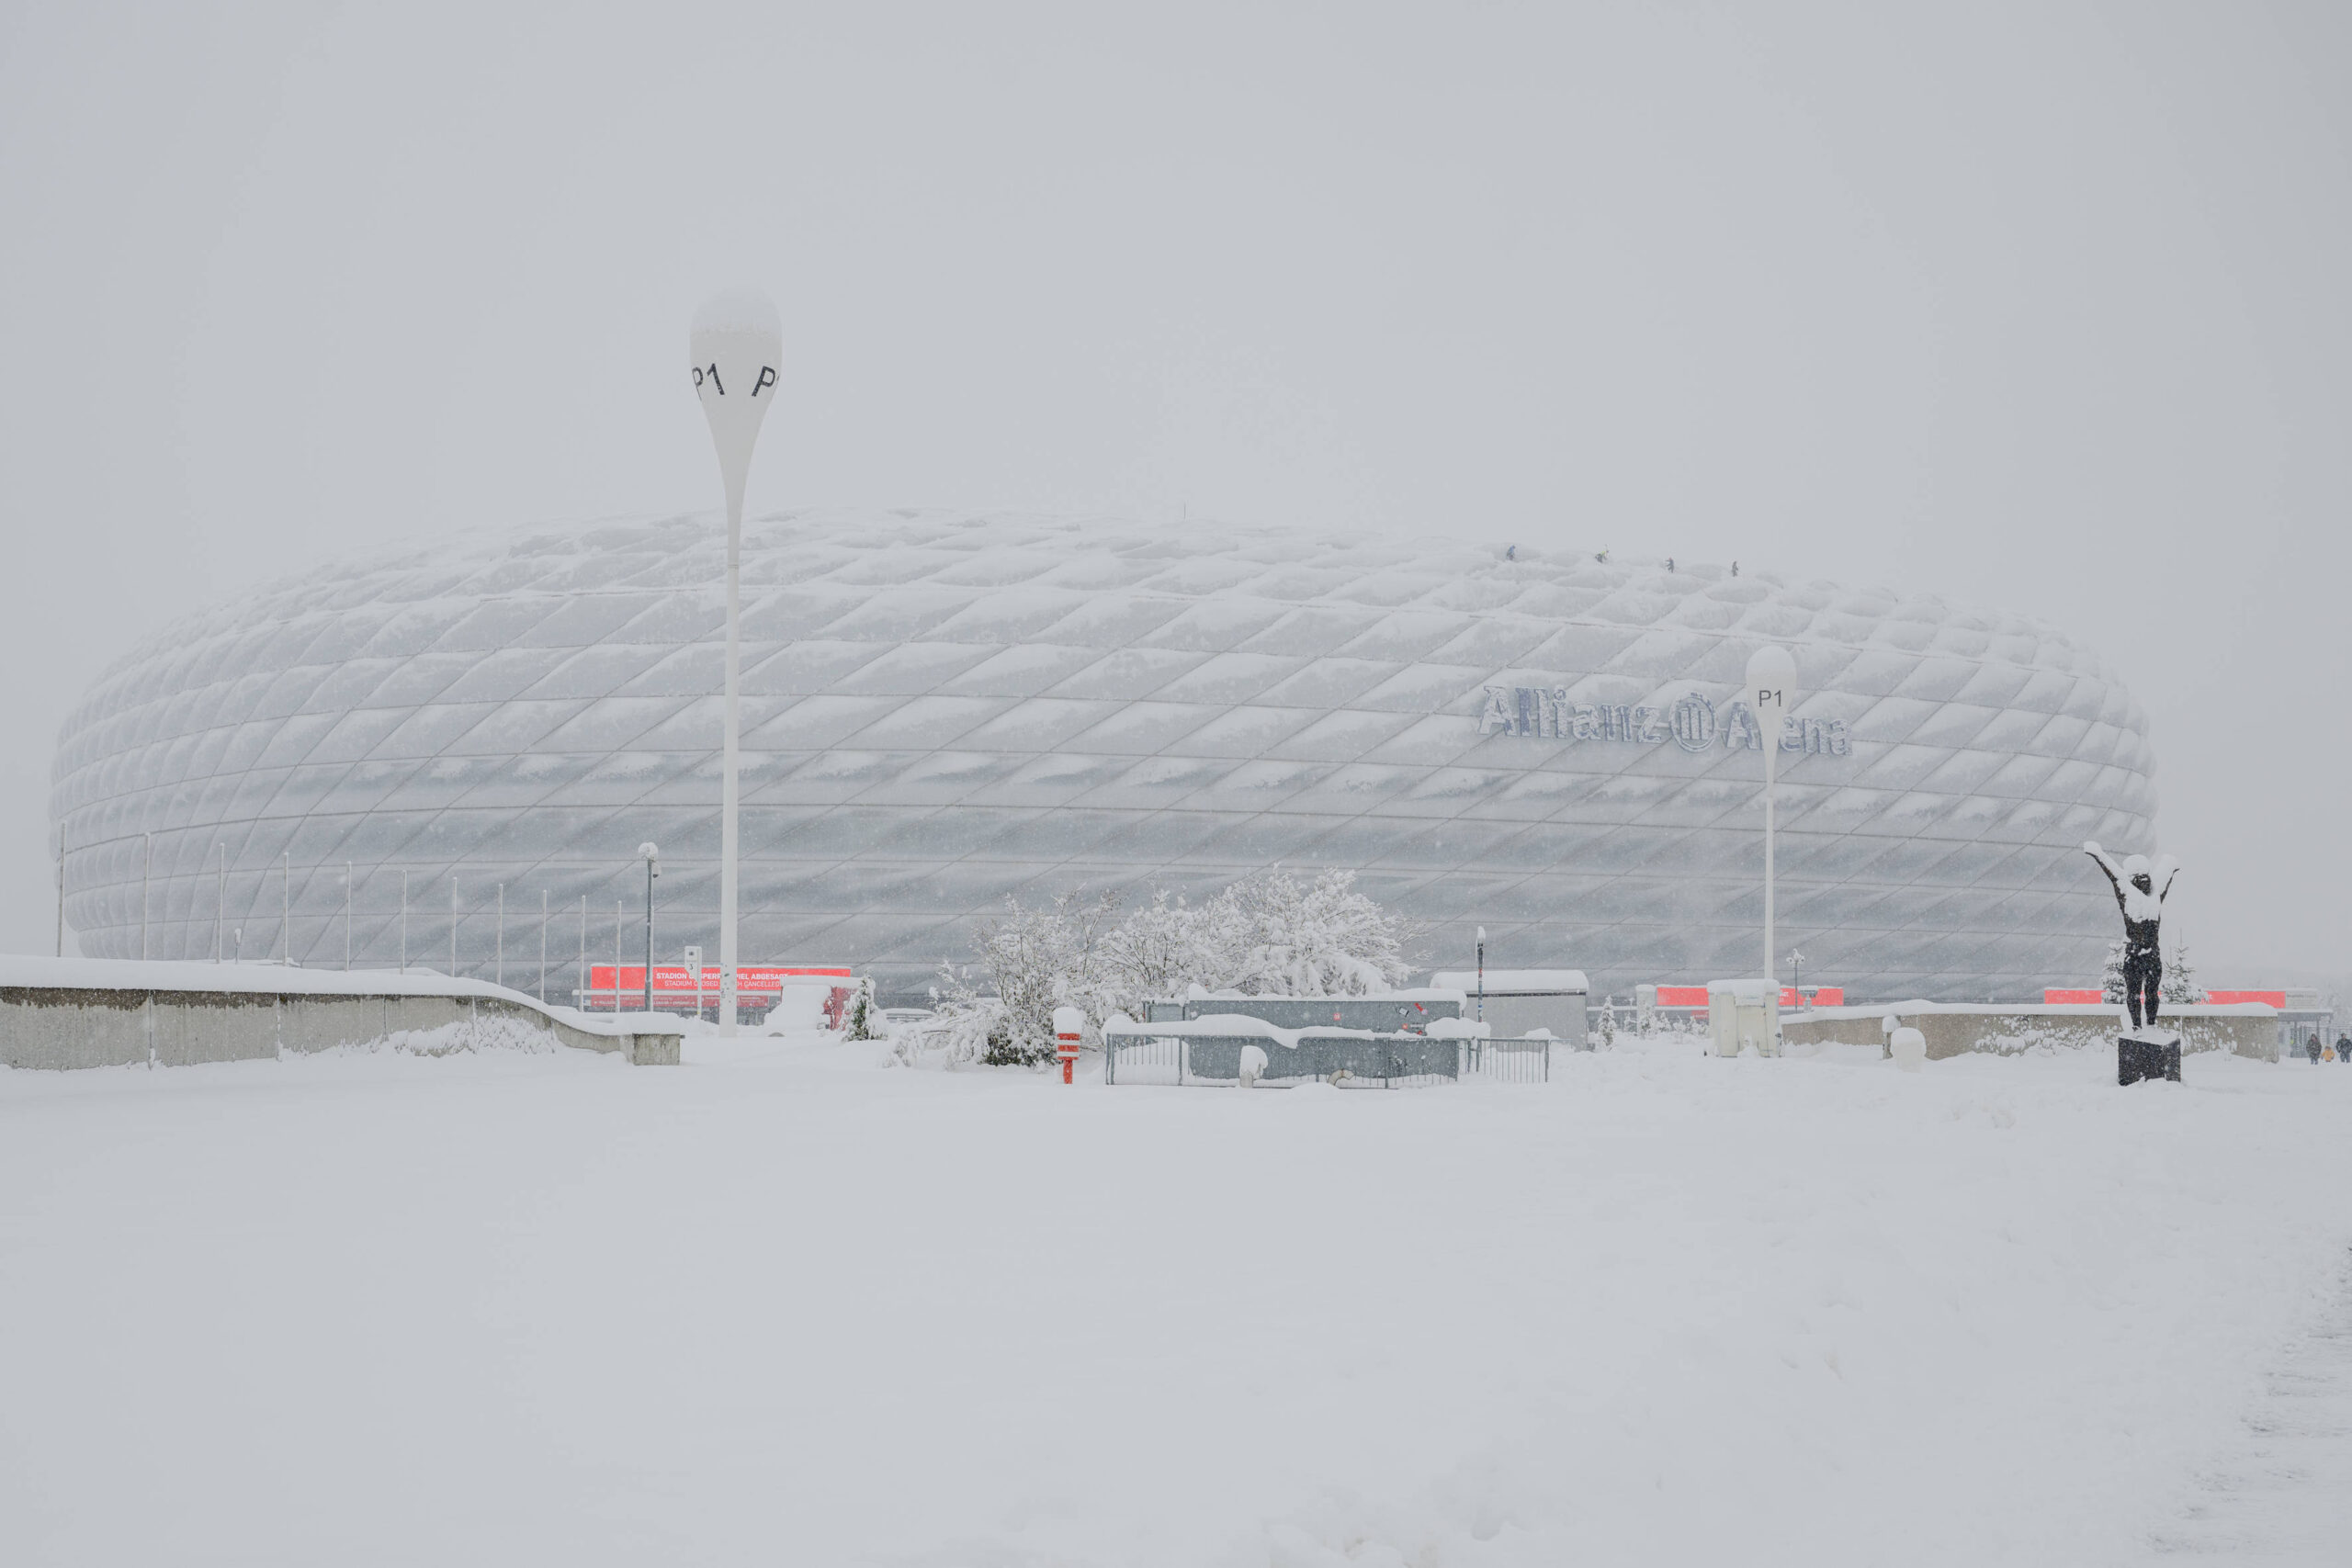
[(1744, 1014), (1520, 1001)]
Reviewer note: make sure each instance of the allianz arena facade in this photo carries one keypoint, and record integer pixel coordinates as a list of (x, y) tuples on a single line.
[(942, 711)]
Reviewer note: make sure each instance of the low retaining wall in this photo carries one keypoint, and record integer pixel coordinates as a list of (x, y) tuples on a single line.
[(1957, 1029), (116, 1026)]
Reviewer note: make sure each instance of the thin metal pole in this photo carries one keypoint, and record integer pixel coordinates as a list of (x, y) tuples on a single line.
[(500, 973), (403, 922), (1771, 969), (617, 956), (346, 914), (146, 875), (286, 907), (453, 925), (60, 888), (584, 997), (649, 933), (727, 789), (221, 907), (543, 947)]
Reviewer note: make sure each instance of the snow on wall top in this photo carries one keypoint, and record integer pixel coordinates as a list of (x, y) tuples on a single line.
[(33, 972)]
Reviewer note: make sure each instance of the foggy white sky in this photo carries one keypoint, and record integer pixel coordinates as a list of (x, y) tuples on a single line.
[(2041, 307)]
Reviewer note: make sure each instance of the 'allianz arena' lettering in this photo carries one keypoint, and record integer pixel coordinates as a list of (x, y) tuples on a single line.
[(1689, 722)]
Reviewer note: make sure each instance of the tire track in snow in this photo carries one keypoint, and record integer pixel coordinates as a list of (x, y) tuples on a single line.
[(2284, 1495)]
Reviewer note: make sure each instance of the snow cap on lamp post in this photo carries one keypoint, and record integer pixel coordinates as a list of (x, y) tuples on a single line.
[(737, 342)]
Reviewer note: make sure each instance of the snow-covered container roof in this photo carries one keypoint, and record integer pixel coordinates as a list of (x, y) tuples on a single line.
[(1514, 982)]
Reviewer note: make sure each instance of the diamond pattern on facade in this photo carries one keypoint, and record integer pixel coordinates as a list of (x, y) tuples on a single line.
[(942, 710)]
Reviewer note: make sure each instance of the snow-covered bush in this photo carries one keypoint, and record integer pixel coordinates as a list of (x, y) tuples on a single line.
[(1033, 960)]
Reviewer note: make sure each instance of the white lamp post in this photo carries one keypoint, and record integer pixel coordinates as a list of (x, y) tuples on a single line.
[(1482, 974), (1771, 690), (737, 344)]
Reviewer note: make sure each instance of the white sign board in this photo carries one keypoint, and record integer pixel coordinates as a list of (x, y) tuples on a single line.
[(1771, 692)]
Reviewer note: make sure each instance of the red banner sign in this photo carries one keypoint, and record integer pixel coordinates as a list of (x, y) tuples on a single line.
[(1696, 996), (672, 982)]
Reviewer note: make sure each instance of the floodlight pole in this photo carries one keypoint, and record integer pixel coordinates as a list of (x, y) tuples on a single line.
[(740, 339), (543, 947), (220, 903)]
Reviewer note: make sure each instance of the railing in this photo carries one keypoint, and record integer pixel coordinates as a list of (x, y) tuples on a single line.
[(1523, 1060)]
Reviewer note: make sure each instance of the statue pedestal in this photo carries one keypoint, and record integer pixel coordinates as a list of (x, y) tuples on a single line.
[(2148, 1053)]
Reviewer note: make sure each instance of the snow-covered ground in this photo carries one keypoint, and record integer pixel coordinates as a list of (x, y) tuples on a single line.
[(781, 1306)]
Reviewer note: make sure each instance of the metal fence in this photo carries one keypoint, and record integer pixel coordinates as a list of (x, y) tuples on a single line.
[(1383, 1060), (1523, 1060)]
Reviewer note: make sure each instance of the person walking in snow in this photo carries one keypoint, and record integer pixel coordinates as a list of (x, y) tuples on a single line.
[(2344, 1047), (2312, 1050), (2140, 890)]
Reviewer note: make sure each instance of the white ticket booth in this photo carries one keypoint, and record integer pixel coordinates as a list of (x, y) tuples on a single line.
[(1741, 1014)]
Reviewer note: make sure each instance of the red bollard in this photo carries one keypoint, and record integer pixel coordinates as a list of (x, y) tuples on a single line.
[(1068, 1023)]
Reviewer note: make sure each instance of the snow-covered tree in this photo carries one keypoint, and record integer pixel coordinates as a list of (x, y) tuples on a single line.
[(1161, 949), (1276, 936), (2180, 987), (2110, 984), (861, 1021)]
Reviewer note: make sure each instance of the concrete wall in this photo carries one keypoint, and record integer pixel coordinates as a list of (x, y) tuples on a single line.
[(2009, 1033), (102, 1027), (1563, 1014)]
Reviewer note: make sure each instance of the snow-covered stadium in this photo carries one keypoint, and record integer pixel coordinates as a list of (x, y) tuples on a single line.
[(943, 710)]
